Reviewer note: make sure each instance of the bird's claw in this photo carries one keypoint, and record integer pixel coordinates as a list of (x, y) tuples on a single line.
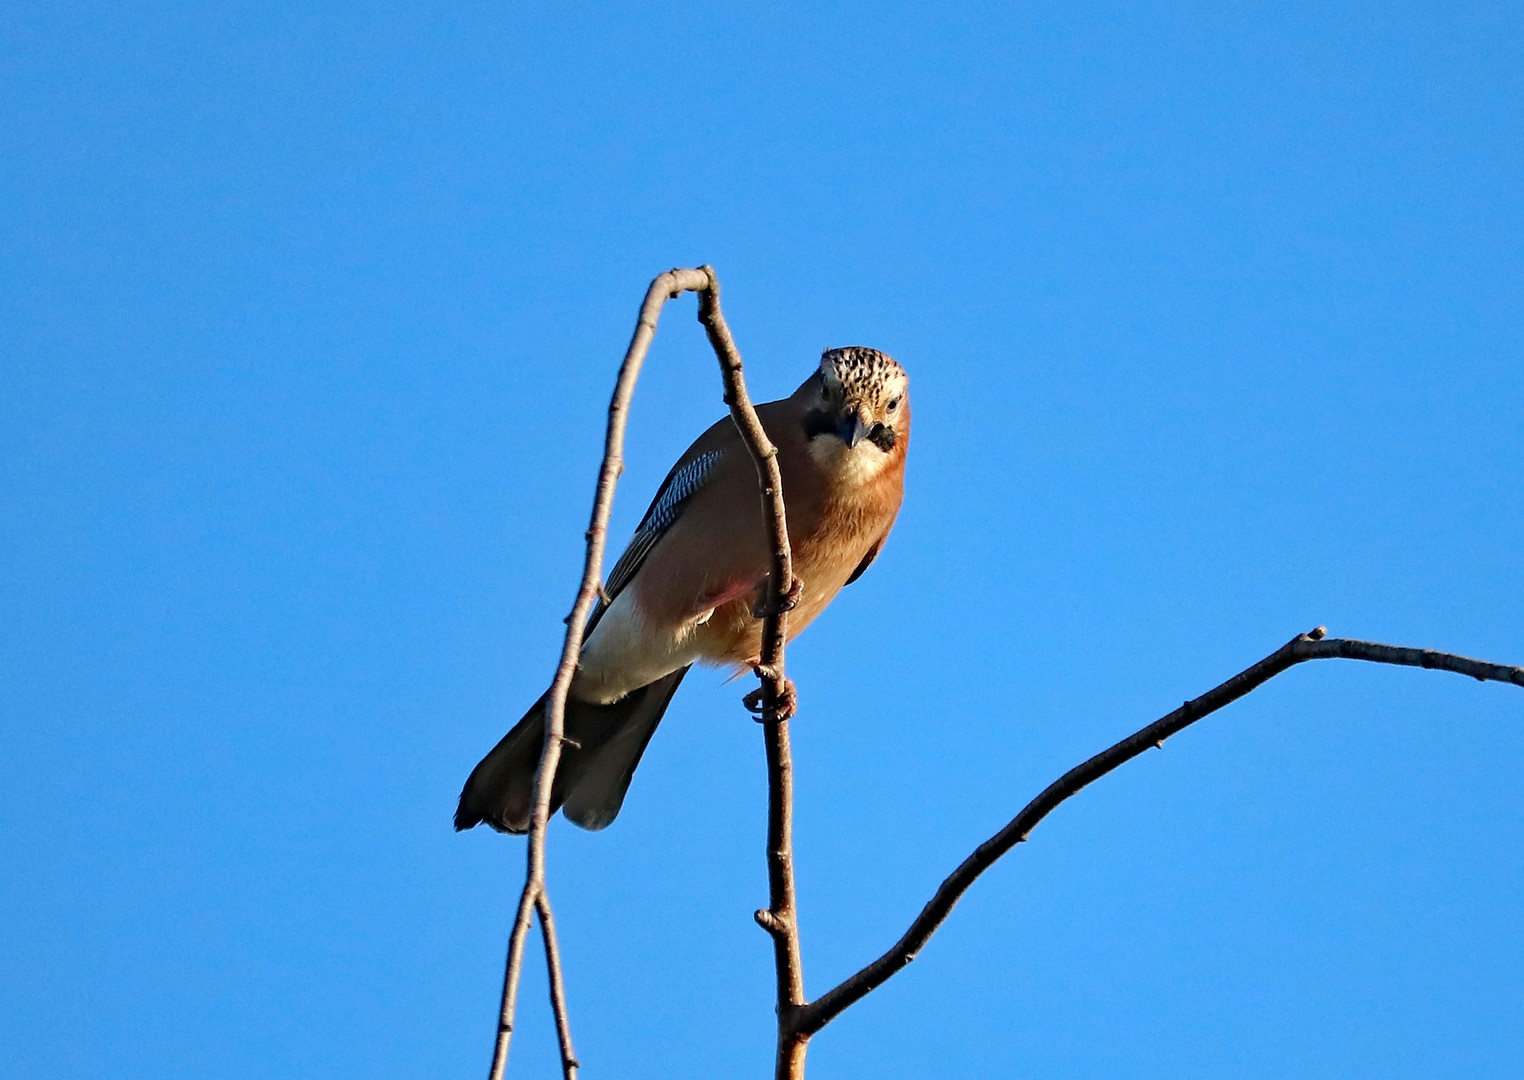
[(788, 701), (787, 602)]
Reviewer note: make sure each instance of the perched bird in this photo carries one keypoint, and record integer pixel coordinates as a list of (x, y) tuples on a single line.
[(688, 588)]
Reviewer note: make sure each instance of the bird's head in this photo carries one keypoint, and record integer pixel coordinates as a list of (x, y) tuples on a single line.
[(857, 408)]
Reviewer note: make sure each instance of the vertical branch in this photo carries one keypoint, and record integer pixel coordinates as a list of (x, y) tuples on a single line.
[(569, 1062), (780, 918), (665, 287)]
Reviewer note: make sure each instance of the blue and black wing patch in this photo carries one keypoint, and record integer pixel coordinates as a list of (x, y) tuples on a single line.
[(666, 508)]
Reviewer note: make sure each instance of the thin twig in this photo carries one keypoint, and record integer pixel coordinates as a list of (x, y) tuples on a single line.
[(1311, 646), (511, 981), (662, 289), (569, 1062), (781, 917), (770, 670)]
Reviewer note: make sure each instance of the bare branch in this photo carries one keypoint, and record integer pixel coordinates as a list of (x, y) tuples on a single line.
[(778, 701), (569, 1062), (798, 1019), (665, 287), (1319, 648), (511, 983), (777, 692), (809, 1019)]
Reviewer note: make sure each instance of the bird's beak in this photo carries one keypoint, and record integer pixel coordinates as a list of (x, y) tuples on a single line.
[(853, 429)]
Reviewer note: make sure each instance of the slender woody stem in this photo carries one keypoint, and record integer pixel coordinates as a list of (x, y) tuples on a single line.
[(665, 287), (569, 1062), (1311, 646), (781, 917), (770, 670)]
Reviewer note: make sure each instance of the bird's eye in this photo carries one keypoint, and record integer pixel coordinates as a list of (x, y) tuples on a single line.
[(894, 404)]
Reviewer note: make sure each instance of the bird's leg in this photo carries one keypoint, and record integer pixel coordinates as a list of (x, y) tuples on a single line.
[(788, 697), (787, 602)]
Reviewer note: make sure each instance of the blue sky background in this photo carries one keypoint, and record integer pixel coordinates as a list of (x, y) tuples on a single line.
[(308, 317)]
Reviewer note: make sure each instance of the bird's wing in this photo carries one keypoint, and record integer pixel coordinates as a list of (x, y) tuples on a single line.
[(672, 497), (878, 545)]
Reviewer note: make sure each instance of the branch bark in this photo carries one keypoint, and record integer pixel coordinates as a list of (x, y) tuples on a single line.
[(781, 917), (1311, 646), (569, 1062), (661, 290), (775, 687)]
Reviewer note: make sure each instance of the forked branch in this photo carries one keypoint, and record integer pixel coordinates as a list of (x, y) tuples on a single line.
[(532, 898), (799, 1019)]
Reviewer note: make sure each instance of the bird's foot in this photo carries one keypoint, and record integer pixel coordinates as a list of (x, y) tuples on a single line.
[(788, 699), (787, 602)]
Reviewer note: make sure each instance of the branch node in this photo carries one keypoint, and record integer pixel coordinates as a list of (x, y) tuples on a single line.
[(1318, 633), (773, 924)]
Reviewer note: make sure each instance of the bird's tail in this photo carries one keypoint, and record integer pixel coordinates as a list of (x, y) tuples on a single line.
[(605, 744)]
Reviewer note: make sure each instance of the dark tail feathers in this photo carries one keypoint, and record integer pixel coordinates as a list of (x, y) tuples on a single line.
[(595, 769)]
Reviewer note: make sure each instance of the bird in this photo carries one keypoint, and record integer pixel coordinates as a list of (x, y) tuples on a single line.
[(690, 586)]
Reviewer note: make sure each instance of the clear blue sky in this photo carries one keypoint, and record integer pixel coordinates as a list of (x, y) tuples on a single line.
[(308, 317)]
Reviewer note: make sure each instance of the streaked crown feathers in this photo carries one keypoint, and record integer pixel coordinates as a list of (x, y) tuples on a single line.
[(860, 374)]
